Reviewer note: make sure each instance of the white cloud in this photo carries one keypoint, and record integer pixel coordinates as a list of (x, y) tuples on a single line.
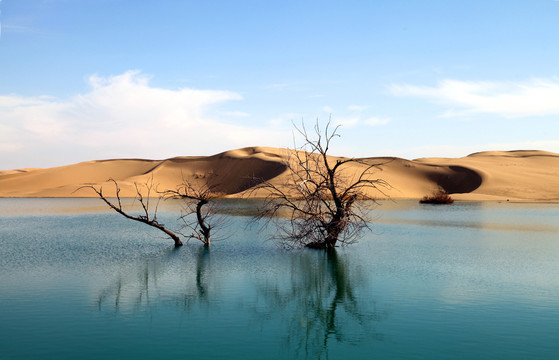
[(346, 122), (281, 86), (120, 116), (353, 121), (375, 121), (285, 122), (353, 117), (535, 97), (357, 107), (10, 28), (234, 113)]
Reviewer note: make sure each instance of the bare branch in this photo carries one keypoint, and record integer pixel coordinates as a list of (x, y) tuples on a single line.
[(317, 206), (197, 201), (146, 218)]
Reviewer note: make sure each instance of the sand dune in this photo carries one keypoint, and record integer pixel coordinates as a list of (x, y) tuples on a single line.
[(493, 175), (524, 175)]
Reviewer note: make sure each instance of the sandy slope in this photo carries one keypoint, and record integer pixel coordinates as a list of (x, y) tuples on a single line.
[(511, 175), (515, 175)]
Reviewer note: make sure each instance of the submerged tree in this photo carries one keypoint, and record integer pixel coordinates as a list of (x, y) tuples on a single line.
[(148, 216), (197, 202), (196, 197), (320, 196)]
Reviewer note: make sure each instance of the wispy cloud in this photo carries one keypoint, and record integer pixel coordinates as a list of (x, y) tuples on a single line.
[(18, 28), (354, 116), (375, 121), (234, 113), (535, 97), (357, 107), (285, 121), (121, 116), (347, 122), (353, 121), (279, 86)]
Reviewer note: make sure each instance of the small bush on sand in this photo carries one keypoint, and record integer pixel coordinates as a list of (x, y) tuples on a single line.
[(439, 198)]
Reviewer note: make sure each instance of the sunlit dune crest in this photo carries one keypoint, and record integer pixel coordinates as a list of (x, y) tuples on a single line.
[(524, 175)]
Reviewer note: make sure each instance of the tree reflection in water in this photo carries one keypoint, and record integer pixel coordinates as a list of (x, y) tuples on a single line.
[(322, 304), (140, 288), (201, 293), (315, 303)]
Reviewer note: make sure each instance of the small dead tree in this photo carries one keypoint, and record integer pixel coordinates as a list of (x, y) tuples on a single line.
[(148, 216), (197, 201), (320, 196)]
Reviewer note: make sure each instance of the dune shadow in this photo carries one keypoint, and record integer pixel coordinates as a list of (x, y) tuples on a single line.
[(457, 179)]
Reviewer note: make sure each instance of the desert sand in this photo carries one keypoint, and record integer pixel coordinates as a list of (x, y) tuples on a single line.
[(524, 175)]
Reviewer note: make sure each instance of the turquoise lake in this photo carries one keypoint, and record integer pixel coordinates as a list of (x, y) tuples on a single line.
[(465, 281)]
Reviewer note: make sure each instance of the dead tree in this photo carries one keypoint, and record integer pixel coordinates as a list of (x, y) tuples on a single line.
[(145, 202), (197, 201), (320, 198)]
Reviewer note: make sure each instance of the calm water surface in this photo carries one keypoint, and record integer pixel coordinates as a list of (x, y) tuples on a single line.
[(471, 280)]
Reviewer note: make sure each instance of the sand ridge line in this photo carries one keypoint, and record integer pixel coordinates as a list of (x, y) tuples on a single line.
[(522, 175)]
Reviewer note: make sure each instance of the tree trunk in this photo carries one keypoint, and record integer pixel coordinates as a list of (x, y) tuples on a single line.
[(175, 238), (334, 229), (205, 230)]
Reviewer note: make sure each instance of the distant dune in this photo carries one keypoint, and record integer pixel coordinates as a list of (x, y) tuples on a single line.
[(524, 175)]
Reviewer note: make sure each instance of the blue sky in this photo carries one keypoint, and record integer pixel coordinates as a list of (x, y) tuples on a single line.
[(96, 79)]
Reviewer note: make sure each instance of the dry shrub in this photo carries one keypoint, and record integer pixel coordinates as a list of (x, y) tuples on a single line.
[(440, 198)]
